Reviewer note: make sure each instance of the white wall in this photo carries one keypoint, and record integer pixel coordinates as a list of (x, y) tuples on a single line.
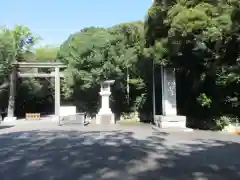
[(67, 110)]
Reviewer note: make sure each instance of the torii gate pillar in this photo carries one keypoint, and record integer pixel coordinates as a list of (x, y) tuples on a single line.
[(12, 93), (57, 94)]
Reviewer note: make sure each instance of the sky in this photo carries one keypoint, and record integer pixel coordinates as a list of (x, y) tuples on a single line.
[(55, 20)]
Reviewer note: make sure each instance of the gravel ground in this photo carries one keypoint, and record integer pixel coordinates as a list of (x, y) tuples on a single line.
[(45, 151)]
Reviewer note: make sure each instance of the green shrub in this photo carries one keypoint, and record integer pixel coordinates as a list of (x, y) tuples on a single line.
[(221, 122)]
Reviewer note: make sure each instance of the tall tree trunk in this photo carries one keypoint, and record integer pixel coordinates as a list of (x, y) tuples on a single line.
[(12, 92)]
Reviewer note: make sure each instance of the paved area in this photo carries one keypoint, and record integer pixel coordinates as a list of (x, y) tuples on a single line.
[(49, 152)]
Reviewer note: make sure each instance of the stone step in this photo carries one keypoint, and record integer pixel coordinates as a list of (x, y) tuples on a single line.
[(170, 121), (172, 129)]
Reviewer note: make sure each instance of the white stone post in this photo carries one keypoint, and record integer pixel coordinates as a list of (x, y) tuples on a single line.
[(105, 115), (57, 94)]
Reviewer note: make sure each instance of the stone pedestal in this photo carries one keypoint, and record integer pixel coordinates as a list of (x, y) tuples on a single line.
[(105, 115), (169, 117), (170, 121), (9, 119)]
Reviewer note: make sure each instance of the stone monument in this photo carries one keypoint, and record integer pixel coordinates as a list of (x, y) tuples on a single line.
[(169, 117), (105, 115)]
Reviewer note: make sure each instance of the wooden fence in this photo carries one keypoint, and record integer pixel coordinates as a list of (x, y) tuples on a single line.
[(32, 116)]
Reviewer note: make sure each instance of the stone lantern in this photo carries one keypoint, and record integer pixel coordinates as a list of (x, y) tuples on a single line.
[(105, 115)]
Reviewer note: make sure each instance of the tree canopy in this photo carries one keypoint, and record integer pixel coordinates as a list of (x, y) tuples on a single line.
[(201, 39), (97, 54), (46, 53)]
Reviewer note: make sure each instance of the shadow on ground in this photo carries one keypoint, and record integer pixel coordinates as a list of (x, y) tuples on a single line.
[(74, 155), (5, 126)]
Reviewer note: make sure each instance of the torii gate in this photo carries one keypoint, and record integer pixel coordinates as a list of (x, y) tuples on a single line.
[(15, 74)]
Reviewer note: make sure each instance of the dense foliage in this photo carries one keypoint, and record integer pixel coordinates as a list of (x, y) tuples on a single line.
[(32, 94), (199, 38), (97, 54), (202, 41)]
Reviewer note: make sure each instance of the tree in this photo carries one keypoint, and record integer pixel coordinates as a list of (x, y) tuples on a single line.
[(97, 54), (201, 41), (46, 53), (15, 45), (12, 49)]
